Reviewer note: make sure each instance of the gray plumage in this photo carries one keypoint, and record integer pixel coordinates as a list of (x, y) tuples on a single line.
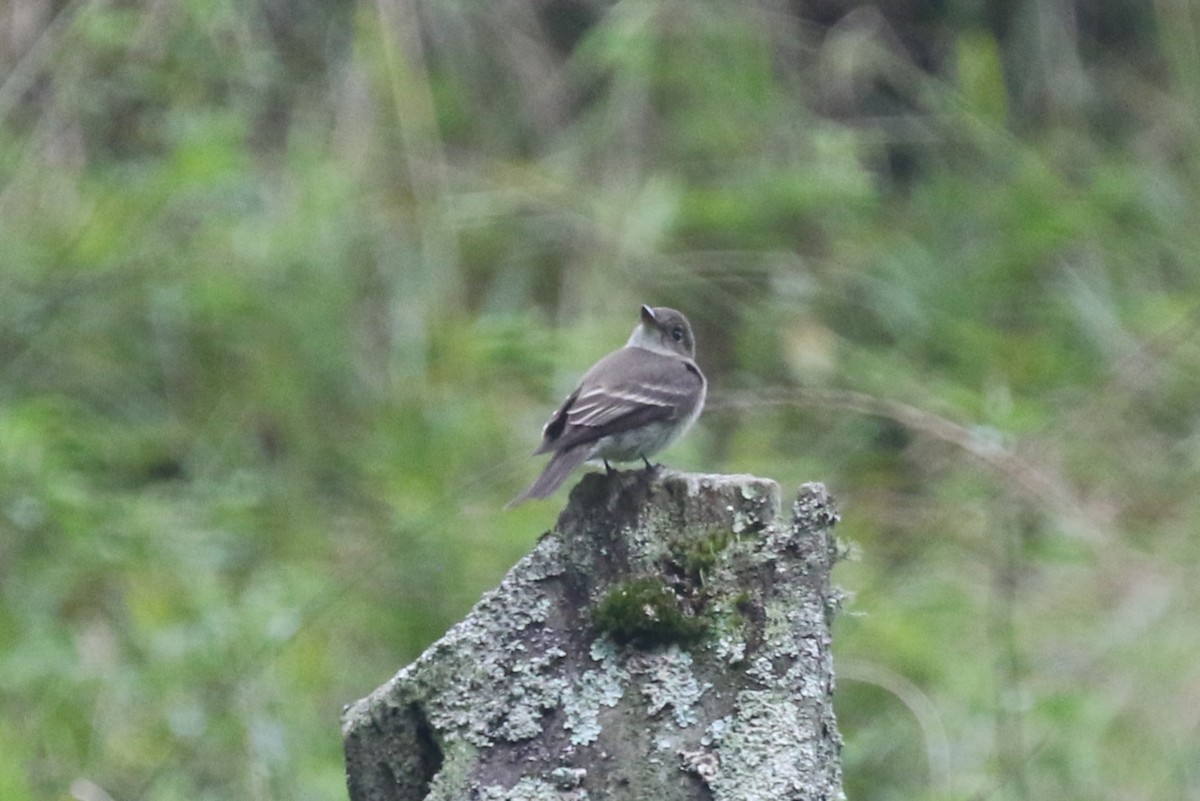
[(631, 404)]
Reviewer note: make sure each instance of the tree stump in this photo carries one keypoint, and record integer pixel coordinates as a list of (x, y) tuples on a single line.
[(668, 640)]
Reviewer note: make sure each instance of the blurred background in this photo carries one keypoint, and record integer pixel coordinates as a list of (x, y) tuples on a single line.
[(288, 288)]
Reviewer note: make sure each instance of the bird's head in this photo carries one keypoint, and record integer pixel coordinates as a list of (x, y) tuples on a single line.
[(664, 331)]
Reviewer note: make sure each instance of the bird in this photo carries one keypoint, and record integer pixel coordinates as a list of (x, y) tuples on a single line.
[(630, 405)]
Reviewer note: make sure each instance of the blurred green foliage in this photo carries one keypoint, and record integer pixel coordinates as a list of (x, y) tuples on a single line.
[(288, 288)]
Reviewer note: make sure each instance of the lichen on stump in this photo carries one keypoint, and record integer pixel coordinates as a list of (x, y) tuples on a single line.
[(668, 640)]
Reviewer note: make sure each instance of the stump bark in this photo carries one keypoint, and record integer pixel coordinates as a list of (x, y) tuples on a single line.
[(668, 640)]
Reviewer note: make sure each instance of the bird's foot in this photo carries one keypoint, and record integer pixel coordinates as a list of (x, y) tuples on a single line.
[(608, 470), (651, 468)]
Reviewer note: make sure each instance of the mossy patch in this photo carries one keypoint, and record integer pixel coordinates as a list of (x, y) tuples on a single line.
[(645, 613), (743, 603), (698, 555)]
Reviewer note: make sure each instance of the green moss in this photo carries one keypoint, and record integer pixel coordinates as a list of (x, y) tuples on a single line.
[(698, 555), (743, 603), (644, 613)]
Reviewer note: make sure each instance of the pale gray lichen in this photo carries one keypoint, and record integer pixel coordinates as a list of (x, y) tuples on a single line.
[(529, 789), (716, 730), (476, 692), (565, 778), (730, 647), (669, 681), (780, 629), (805, 681), (545, 561), (767, 750), (451, 781), (762, 669), (602, 686)]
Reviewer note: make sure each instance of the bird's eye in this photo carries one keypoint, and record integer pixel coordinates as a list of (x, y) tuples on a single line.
[(677, 333)]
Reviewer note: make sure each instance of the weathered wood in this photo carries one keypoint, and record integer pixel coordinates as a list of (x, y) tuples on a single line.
[(668, 640)]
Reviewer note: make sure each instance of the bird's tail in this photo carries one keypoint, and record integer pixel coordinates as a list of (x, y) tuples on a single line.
[(556, 471)]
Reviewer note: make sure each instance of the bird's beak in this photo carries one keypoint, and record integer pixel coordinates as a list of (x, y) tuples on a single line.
[(648, 317)]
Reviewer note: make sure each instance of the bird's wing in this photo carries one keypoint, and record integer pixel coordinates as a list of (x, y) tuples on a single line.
[(624, 390)]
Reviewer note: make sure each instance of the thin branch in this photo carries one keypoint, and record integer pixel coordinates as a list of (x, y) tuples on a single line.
[(924, 711), (983, 443), (25, 71)]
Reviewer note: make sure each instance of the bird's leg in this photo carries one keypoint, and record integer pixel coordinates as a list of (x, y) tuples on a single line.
[(607, 467), (650, 468)]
